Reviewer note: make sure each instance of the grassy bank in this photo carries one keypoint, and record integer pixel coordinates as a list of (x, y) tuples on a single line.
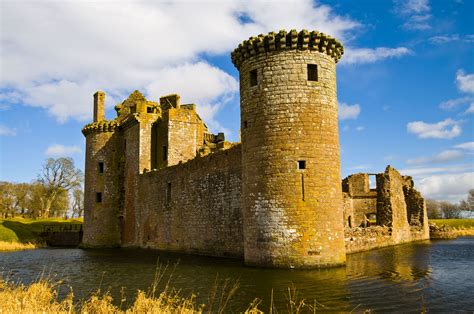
[(23, 233), (460, 227)]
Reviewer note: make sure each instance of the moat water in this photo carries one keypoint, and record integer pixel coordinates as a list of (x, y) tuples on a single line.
[(437, 276)]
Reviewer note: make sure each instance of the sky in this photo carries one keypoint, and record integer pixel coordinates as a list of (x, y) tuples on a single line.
[(405, 82)]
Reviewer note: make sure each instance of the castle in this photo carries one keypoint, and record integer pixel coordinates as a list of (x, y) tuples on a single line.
[(156, 178)]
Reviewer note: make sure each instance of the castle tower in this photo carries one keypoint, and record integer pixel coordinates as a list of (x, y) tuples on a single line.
[(101, 186), (291, 183)]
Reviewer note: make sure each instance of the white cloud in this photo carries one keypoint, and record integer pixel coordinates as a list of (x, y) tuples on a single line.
[(360, 128), (444, 156), (86, 46), (450, 187), (415, 12), (445, 129), (57, 150), (465, 82), (347, 112), (444, 39), (467, 146), (6, 131), (368, 55)]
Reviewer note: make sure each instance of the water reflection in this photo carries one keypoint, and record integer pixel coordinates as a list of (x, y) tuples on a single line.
[(414, 277)]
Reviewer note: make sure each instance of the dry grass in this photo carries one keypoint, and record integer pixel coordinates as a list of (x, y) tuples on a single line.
[(42, 297), (17, 246)]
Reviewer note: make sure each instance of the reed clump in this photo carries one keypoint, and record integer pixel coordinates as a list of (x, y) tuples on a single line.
[(18, 246)]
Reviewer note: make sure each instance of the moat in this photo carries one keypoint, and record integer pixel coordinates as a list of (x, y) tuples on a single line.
[(429, 275)]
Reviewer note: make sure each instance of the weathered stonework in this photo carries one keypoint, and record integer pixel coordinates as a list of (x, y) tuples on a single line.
[(399, 209), (156, 178)]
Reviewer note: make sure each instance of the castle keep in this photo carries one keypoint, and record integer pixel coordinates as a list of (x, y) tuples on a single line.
[(157, 178)]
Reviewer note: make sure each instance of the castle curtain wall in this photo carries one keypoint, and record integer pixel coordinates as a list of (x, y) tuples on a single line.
[(193, 207)]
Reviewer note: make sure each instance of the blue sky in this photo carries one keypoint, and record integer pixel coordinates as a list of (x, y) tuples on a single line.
[(405, 83)]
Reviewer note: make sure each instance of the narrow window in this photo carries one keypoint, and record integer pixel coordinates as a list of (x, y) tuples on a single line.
[(133, 109), (101, 167), (168, 193), (301, 164), (125, 145), (149, 110), (302, 187), (349, 221), (312, 72), (253, 78), (165, 153), (245, 124), (98, 197)]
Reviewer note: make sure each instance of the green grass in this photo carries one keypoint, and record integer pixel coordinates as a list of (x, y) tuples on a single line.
[(455, 223), (25, 230)]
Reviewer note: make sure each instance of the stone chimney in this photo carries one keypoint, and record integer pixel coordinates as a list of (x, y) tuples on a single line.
[(99, 106)]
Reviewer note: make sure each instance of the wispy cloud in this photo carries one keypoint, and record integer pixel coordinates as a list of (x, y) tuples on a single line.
[(451, 187), (371, 55), (467, 146), (449, 38), (416, 13), (58, 150), (347, 112), (443, 157), (7, 131), (445, 129)]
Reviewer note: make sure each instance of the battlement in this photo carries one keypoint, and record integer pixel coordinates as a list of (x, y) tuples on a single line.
[(100, 126), (304, 40)]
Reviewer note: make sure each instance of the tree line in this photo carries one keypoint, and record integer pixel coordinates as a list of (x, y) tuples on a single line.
[(447, 210), (57, 192)]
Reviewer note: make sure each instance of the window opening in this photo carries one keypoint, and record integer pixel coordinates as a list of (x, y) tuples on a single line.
[(165, 153), (373, 182), (253, 78), (301, 164), (98, 197), (312, 72), (245, 124), (101, 167), (149, 110)]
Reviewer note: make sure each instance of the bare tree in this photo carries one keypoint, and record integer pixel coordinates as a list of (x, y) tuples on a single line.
[(433, 208), (58, 176), (450, 210), (77, 202), (468, 203)]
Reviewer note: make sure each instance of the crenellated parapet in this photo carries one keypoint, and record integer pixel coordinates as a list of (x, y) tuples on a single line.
[(303, 40), (100, 126)]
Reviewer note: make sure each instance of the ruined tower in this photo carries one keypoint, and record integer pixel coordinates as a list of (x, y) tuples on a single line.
[(101, 190), (291, 183)]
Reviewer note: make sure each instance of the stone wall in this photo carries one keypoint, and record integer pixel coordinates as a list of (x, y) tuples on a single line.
[(193, 207)]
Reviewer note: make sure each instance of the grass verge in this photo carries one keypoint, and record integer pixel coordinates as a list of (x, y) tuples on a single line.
[(458, 227), (23, 233)]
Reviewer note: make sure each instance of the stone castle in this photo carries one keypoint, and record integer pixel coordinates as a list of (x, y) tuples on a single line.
[(156, 178)]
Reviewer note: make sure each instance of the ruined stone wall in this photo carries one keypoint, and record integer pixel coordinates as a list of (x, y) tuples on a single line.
[(363, 199), (193, 207), (101, 226), (292, 217), (391, 206)]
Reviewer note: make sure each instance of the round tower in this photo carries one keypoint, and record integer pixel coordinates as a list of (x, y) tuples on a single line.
[(291, 183), (101, 186)]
